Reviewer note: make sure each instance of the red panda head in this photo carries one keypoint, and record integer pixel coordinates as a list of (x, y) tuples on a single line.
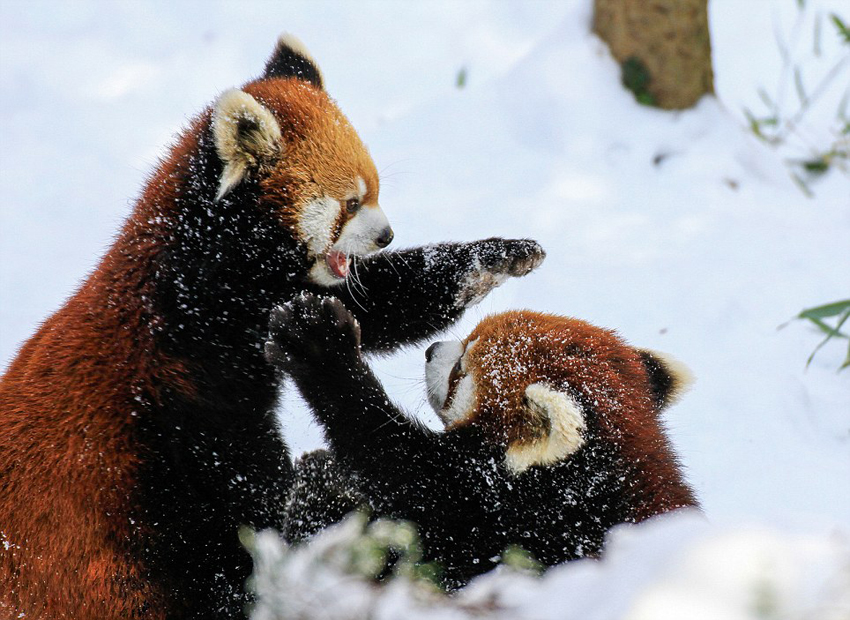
[(314, 173), (528, 379)]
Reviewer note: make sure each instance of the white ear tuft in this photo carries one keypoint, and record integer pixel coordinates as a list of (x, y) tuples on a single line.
[(245, 133), (670, 377), (566, 425)]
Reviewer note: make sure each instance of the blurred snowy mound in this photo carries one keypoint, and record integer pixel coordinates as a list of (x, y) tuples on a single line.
[(671, 567)]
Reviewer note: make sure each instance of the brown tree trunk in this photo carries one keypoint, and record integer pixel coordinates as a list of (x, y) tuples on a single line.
[(665, 41)]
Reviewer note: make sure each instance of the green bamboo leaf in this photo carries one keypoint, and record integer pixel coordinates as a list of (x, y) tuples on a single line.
[(831, 309), (841, 112), (830, 333), (798, 84), (840, 324), (828, 329), (801, 183), (816, 36), (762, 93), (460, 80), (843, 30), (817, 166)]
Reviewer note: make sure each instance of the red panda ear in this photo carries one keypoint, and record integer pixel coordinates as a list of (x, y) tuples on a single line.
[(291, 59), (561, 415), (245, 133), (669, 378)]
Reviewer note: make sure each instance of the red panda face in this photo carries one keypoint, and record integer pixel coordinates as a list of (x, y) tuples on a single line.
[(522, 378), (314, 173)]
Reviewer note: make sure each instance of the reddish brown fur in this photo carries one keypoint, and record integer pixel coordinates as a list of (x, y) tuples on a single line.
[(67, 462), (516, 349), (323, 152)]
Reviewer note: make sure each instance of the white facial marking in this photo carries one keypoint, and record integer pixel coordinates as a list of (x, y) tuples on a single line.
[(316, 223), (567, 426), (462, 404), (321, 274), (357, 238), (359, 233), (438, 370), (444, 356)]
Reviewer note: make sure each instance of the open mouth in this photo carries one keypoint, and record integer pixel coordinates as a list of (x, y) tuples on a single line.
[(338, 262)]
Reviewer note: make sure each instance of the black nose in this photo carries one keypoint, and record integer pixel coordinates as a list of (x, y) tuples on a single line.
[(429, 352), (384, 238)]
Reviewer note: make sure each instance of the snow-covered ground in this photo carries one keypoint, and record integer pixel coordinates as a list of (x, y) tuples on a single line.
[(673, 567), (678, 229)]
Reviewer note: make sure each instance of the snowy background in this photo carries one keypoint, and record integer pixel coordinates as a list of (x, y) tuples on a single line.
[(680, 230)]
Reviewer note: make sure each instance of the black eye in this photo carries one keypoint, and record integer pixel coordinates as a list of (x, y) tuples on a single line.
[(352, 205)]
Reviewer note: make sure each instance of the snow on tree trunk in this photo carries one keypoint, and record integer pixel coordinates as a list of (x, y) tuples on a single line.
[(662, 45)]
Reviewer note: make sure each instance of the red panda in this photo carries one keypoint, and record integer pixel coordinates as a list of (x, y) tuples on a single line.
[(553, 436), (137, 425), (544, 386)]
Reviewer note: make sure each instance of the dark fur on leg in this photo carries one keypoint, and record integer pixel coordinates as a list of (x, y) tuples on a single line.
[(322, 493)]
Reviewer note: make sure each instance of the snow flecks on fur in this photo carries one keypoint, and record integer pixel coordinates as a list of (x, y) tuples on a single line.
[(565, 420), (478, 284), (245, 133)]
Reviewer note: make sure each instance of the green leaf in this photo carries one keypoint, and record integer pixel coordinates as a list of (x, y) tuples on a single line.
[(816, 48), (521, 560), (830, 334), (801, 183), (429, 572), (248, 538), (843, 30), (816, 315), (646, 99), (636, 78), (828, 329), (755, 125), (762, 93), (460, 80), (816, 166), (798, 84), (820, 312)]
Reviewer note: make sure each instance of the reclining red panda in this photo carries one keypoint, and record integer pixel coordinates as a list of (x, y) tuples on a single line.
[(553, 436), (137, 426)]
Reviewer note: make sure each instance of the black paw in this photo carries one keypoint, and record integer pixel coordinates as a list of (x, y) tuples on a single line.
[(311, 330), (512, 257), (494, 261)]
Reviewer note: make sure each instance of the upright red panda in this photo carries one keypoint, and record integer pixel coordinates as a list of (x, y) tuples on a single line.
[(553, 436), (137, 426)]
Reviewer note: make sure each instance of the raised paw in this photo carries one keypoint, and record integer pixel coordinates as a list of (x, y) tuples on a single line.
[(311, 330), (494, 261), (512, 257)]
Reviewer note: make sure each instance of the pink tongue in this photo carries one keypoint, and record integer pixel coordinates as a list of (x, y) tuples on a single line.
[(338, 262)]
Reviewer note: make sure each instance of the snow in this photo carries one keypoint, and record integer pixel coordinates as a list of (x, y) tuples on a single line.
[(680, 230), (688, 569)]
